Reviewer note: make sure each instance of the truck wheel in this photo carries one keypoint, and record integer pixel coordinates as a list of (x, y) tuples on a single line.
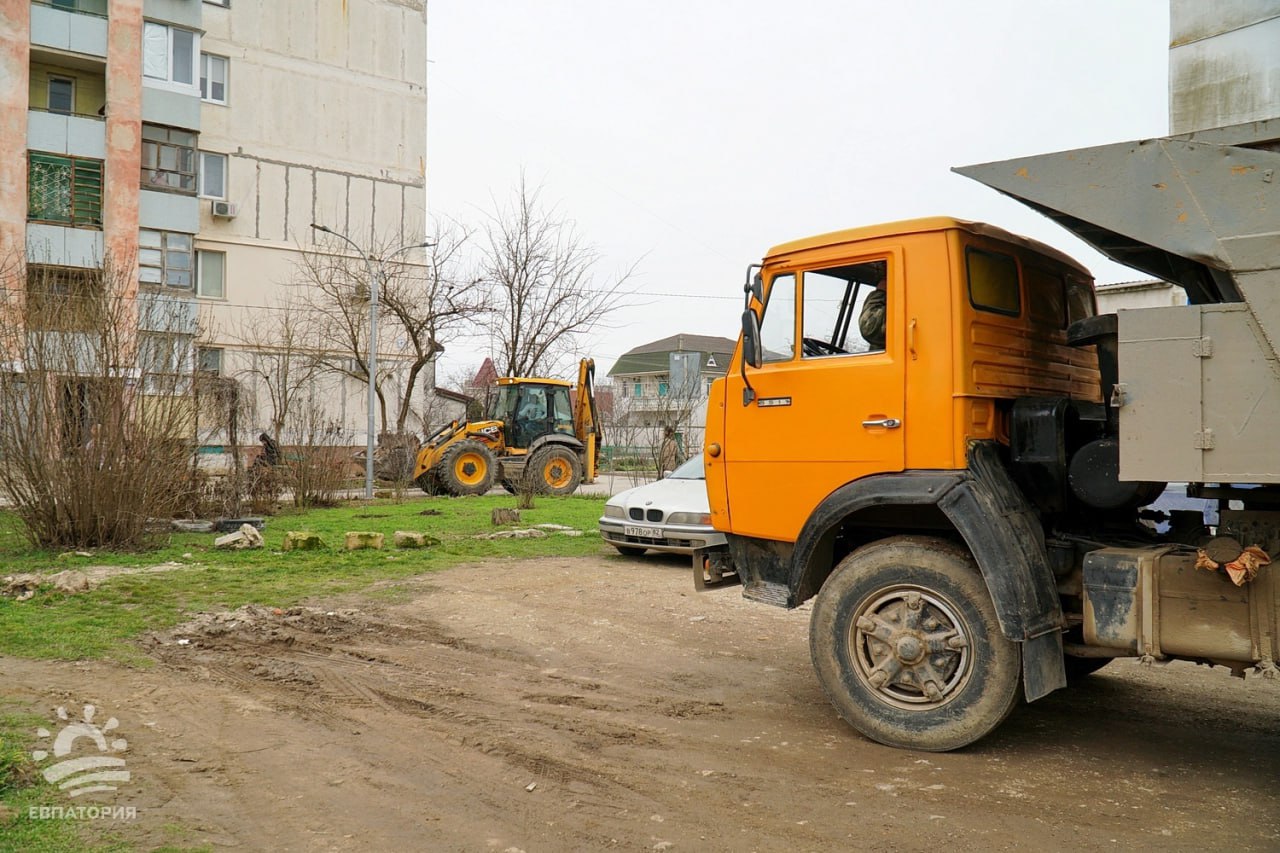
[(906, 643), (467, 468), (555, 471)]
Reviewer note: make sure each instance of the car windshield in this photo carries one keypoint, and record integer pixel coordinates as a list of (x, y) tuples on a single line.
[(690, 470)]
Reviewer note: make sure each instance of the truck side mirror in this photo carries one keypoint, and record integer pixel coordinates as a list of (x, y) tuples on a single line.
[(751, 353)]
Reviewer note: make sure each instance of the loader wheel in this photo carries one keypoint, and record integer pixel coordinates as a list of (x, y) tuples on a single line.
[(555, 471), (906, 643), (468, 468)]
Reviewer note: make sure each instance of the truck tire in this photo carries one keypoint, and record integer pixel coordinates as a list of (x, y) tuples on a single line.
[(467, 468), (555, 470), (906, 643)]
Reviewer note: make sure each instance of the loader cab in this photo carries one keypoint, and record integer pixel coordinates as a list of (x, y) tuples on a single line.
[(529, 409)]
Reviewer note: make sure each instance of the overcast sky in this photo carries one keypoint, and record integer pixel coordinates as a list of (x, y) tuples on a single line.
[(692, 136)]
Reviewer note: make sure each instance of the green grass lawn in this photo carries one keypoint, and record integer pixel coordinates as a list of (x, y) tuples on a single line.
[(100, 623)]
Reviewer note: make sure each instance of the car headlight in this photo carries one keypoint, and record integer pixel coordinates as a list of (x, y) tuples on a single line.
[(611, 511), (689, 518)]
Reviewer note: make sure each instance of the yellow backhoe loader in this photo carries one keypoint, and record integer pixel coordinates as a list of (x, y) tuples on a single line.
[(542, 434)]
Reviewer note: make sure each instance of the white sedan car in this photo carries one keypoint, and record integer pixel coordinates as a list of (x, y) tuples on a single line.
[(671, 515)]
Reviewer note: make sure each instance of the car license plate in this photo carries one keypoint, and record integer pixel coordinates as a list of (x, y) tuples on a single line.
[(643, 532)]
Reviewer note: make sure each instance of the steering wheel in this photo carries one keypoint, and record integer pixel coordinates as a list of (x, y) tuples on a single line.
[(816, 347)]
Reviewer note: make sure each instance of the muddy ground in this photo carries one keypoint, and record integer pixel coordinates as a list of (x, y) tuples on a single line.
[(595, 704)]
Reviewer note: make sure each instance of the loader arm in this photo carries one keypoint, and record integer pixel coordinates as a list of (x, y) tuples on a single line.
[(586, 420)]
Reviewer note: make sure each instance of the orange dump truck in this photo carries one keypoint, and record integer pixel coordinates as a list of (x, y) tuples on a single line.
[(929, 430)]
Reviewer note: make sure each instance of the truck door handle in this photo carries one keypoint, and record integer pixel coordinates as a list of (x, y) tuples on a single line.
[(887, 423)]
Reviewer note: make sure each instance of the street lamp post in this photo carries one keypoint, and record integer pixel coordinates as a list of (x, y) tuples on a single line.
[(374, 266)]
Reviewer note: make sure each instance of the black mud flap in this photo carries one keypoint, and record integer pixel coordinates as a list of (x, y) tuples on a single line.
[(712, 568), (1042, 669)]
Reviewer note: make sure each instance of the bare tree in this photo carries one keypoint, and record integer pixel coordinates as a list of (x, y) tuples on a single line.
[(280, 355), (430, 306), (546, 295), (422, 307)]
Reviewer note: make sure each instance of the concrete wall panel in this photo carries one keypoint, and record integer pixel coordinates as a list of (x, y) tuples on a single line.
[(87, 34), (68, 247), (272, 201), (70, 31), (168, 211), (301, 202), (172, 109), (123, 134), (1226, 75), (331, 199), (360, 210), (72, 135), (15, 65), (388, 209), (184, 13)]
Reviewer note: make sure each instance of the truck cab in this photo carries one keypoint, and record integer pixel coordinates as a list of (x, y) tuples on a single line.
[(974, 318)]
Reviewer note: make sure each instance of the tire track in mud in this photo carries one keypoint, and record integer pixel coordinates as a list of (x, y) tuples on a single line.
[(449, 685)]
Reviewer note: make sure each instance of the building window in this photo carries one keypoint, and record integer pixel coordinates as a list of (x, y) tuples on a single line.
[(637, 390), (168, 159), (66, 190), (213, 78), (209, 360), (213, 175), (165, 363), (662, 389), (62, 95), (93, 7), (63, 299), (212, 274), (169, 55), (165, 257)]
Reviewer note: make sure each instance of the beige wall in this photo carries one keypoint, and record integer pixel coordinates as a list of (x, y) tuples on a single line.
[(325, 122)]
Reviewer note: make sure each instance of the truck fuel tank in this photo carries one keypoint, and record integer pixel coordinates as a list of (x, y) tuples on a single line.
[(1153, 602)]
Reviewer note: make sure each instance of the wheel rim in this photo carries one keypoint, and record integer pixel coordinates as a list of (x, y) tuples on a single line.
[(911, 647), (469, 468), (557, 473)]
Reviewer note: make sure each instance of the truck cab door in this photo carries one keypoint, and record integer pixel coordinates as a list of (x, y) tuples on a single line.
[(829, 404)]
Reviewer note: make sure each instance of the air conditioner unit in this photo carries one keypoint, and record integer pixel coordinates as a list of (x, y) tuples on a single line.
[(224, 209)]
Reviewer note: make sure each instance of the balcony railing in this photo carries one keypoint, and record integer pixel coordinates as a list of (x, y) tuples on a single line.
[(98, 8)]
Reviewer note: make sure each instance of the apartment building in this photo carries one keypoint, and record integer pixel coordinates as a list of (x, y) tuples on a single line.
[(198, 140)]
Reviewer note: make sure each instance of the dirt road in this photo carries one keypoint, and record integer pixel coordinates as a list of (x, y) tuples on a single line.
[(599, 704)]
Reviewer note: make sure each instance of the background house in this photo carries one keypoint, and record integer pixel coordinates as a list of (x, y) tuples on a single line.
[(661, 384)]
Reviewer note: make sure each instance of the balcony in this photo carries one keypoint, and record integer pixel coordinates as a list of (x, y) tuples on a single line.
[(77, 26), (63, 133)]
